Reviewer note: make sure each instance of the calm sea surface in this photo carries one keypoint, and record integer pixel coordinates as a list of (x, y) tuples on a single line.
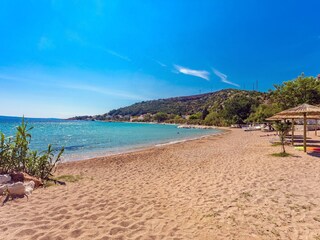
[(84, 139)]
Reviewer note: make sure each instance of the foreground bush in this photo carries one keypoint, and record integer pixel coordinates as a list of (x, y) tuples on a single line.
[(16, 156)]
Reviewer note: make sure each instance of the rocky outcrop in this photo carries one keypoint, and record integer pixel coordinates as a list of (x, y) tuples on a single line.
[(18, 184)]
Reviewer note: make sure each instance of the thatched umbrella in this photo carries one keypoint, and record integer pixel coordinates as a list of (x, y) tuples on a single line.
[(277, 117), (302, 111), (292, 117)]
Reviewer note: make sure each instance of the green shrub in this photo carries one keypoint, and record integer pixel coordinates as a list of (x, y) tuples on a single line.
[(262, 112), (15, 155), (283, 129), (214, 119), (160, 117), (196, 116)]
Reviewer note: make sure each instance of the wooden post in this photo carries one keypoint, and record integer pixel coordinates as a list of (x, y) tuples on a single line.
[(285, 120), (305, 132), (292, 133)]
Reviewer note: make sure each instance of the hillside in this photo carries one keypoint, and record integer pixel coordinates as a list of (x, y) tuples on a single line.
[(186, 105)]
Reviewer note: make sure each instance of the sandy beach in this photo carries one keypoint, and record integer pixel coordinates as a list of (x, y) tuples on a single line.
[(219, 187)]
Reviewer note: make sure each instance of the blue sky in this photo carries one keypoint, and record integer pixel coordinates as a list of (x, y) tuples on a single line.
[(63, 58)]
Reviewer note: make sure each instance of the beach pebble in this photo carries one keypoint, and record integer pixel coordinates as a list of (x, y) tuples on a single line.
[(16, 189), (29, 186), (5, 178)]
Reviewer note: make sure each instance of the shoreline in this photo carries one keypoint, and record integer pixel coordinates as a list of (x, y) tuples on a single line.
[(224, 130), (179, 125)]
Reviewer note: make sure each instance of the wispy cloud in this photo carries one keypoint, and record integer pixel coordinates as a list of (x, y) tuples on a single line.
[(224, 78), (65, 83), (104, 91), (118, 55), (75, 37), (160, 63), (197, 73)]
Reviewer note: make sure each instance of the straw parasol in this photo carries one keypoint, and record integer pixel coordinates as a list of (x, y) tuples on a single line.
[(277, 117), (292, 117), (302, 111)]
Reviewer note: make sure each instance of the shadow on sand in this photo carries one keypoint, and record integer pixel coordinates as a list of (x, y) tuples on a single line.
[(314, 154)]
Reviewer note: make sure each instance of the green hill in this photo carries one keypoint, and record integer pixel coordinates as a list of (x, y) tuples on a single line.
[(221, 108), (186, 105), (197, 107)]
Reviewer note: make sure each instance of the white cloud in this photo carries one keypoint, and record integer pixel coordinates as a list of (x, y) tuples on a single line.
[(224, 77), (197, 73)]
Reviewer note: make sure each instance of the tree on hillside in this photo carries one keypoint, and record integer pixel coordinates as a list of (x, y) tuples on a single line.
[(298, 91), (147, 117), (196, 116), (160, 117), (237, 109), (178, 119), (205, 112), (214, 119), (262, 112)]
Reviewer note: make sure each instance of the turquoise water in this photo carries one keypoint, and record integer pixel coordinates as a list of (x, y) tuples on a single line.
[(84, 139)]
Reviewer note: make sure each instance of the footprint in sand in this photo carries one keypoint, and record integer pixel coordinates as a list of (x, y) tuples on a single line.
[(76, 233)]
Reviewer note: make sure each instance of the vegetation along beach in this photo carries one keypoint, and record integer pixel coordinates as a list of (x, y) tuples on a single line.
[(156, 120)]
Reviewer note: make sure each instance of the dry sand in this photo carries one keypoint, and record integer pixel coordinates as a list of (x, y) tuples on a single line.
[(225, 187)]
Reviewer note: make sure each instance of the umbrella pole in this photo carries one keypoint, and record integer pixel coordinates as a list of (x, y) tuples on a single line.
[(304, 132), (285, 120), (292, 134)]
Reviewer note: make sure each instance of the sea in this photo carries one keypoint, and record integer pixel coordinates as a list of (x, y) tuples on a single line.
[(88, 139)]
